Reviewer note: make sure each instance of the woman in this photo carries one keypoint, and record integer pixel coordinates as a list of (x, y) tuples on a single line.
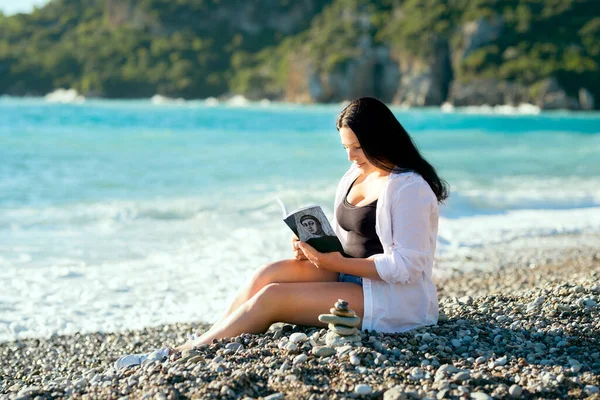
[(386, 215)]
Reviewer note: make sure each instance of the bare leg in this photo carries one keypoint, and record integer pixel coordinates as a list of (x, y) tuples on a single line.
[(285, 271), (296, 303)]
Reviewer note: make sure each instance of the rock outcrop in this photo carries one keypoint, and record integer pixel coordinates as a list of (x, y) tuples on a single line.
[(424, 81)]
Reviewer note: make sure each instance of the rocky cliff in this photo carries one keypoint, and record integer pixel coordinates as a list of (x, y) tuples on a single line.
[(413, 52), (426, 53)]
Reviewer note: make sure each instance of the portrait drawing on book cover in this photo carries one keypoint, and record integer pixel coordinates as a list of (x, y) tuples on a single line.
[(311, 225)]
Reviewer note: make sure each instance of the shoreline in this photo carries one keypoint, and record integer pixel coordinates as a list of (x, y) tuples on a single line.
[(516, 331), (241, 101)]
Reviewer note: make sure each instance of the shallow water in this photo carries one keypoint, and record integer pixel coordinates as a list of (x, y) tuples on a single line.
[(118, 214)]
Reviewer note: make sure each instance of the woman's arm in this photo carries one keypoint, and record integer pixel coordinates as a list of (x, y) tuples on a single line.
[(363, 267), (412, 243)]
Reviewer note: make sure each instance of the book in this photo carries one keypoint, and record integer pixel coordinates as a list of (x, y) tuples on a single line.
[(311, 226)]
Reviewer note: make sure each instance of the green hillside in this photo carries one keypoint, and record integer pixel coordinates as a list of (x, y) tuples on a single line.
[(416, 51)]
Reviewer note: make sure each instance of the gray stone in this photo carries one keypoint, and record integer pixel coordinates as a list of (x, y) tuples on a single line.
[(591, 389), (442, 394), (448, 368), (275, 396), (349, 313), (461, 376), (234, 346), (341, 306), (289, 346), (342, 350), (80, 383), (323, 351), (343, 321), (299, 359), (501, 361), (515, 391), (354, 360), (563, 308), (536, 303), (480, 396), (395, 393), (298, 337), (342, 330), (334, 340), (362, 389)]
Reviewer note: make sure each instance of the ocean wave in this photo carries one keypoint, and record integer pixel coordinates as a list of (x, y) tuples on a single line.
[(482, 230), (468, 198), (503, 109)]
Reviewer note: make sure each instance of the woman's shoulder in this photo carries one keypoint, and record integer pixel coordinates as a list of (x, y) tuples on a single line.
[(412, 184)]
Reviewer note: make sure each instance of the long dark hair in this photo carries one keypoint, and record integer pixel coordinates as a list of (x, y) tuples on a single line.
[(386, 143)]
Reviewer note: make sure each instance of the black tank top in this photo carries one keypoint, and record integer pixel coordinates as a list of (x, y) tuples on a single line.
[(359, 222)]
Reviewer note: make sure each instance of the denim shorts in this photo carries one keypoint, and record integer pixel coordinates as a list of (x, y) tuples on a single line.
[(350, 278)]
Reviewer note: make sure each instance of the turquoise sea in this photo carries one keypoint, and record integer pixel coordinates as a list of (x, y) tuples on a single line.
[(121, 214)]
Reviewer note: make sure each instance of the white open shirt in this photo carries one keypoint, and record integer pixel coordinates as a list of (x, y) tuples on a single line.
[(406, 223)]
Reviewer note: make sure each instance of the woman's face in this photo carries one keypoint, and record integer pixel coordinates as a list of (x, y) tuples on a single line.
[(355, 152)]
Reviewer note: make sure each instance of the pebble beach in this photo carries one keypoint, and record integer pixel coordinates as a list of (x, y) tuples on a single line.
[(530, 328)]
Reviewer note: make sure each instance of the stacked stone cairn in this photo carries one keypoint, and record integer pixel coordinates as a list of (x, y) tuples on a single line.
[(343, 324)]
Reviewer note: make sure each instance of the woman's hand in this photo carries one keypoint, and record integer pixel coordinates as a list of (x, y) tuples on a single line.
[(298, 254), (326, 261)]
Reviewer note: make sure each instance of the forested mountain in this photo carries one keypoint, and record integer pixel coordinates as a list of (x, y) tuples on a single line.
[(418, 52)]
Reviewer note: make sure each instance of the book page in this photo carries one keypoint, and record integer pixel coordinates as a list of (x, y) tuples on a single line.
[(312, 223)]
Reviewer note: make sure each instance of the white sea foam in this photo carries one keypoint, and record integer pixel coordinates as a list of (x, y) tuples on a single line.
[(119, 265), (482, 230), (211, 102), (238, 101), (157, 99), (64, 96), (504, 109), (447, 107)]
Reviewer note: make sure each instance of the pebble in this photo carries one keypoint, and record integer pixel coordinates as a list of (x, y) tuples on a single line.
[(461, 376), (547, 352), (536, 303), (299, 359), (323, 351), (342, 330), (340, 313), (395, 393), (234, 346), (80, 383), (298, 337), (501, 361), (481, 396), (343, 321), (291, 346), (515, 390), (363, 390), (591, 390), (335, 340), (342, 350), (274, 396)]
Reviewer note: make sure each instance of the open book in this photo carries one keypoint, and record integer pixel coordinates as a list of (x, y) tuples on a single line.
[(311, 226)]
